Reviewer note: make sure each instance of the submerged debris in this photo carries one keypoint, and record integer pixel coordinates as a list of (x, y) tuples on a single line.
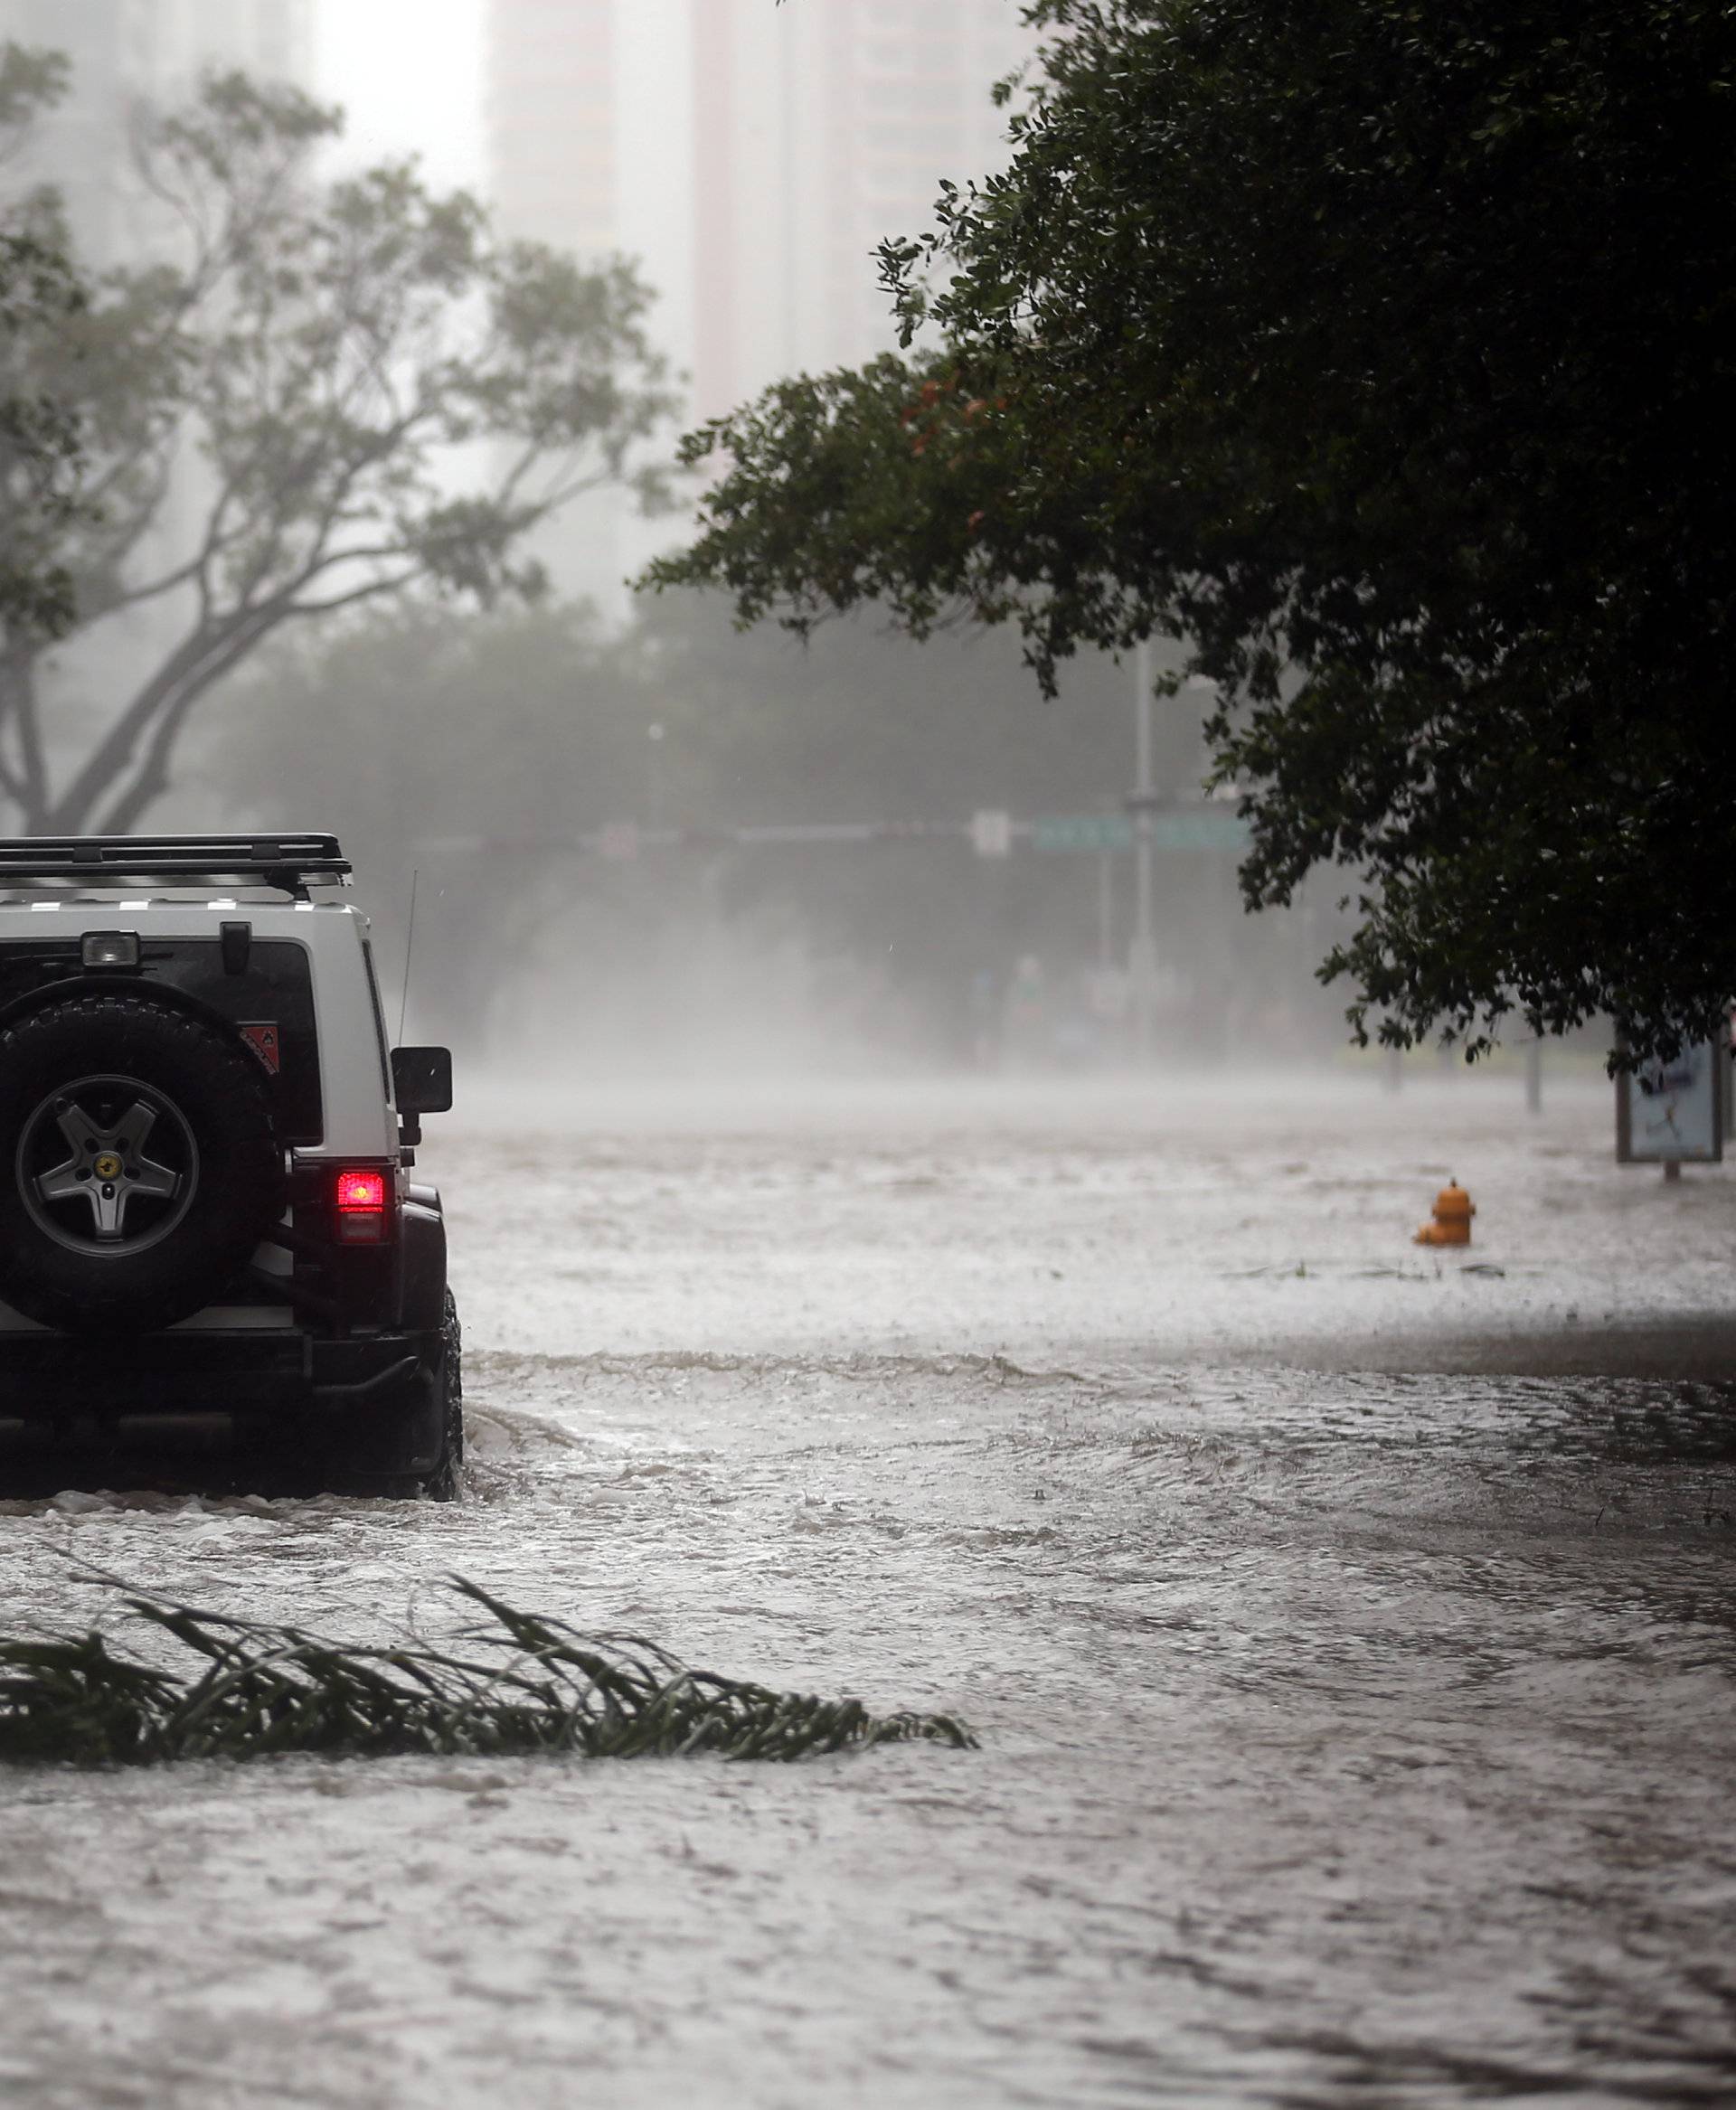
[(528, 1685)]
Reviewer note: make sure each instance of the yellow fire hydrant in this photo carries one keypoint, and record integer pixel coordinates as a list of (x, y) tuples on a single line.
[(1454, 1209)]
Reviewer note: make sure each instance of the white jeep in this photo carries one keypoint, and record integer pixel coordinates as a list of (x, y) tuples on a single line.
[(205, 1209)]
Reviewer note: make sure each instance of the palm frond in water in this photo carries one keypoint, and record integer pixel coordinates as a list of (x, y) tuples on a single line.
[(524, 1683)]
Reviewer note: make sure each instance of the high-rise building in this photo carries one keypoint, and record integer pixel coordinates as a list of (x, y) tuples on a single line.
[(585, 120), (751, 157), (553, 120), (129, 54), (819, 132)]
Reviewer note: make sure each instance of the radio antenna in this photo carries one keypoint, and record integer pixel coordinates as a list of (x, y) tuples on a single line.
[(409, 947)]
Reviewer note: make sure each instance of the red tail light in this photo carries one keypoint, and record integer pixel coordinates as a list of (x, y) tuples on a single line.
[(362, 1206)]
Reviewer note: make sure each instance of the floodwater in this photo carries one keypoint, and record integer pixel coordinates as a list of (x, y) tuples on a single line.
[(1350, 1631)]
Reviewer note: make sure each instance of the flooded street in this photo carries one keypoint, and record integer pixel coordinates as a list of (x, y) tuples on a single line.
[(1350, 1630)]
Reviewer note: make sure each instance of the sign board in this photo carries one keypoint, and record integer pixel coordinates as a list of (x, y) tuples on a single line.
[(1223, 829), (1672, 1111), (1083, 832), (1193, 828), (991, 833)]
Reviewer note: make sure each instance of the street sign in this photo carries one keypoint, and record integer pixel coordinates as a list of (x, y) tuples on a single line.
[(991, 833), (1188, 828), (1083, 832), (1219, 828), (1672, 1113)]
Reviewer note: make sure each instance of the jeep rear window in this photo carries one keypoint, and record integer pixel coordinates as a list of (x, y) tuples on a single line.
[(276, 990)]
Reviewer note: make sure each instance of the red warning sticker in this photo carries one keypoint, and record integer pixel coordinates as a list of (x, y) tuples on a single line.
[(263, 1037)]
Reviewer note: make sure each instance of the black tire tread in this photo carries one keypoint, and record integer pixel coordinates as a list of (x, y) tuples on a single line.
[(443, 1484)]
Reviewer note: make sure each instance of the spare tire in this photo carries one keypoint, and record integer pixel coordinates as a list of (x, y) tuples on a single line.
[(137, 1166)]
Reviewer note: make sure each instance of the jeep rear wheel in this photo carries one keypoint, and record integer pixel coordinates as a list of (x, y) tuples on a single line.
[(411, 1442), (137, 1166), (442, 1485)]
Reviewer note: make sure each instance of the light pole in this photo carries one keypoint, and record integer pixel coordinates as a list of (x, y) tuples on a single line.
[(1106, 910), (1142, 952), (653, 778)]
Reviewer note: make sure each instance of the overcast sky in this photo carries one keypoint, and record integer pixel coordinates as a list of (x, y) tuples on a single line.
[(409, 74)]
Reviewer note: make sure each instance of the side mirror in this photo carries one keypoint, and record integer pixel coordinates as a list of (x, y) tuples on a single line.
[(421, 1083)]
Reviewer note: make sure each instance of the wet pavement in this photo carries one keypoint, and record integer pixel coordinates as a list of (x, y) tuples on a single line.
[(1350, 1635)]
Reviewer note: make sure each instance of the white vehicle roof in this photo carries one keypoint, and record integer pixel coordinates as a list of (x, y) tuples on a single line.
[(93, 883)]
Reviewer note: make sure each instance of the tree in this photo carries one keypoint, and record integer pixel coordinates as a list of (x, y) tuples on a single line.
[(529, 727), (1381, 352), (39, 291), (319, 394)]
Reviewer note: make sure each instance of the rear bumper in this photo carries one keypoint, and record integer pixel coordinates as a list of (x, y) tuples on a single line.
[(256, 1373)]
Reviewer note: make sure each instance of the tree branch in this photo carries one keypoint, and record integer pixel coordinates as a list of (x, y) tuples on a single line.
[(113, 752), (27, 716), (151, 779)]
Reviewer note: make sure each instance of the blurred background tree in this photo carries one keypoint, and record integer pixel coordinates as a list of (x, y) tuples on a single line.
[(477, 749), (41, 293), (320, 394)]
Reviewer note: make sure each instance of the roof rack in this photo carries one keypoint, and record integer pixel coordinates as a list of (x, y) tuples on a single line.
[(285, 861)]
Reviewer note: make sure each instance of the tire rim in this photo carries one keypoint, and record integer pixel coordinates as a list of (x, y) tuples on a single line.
[(107, 1166)]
